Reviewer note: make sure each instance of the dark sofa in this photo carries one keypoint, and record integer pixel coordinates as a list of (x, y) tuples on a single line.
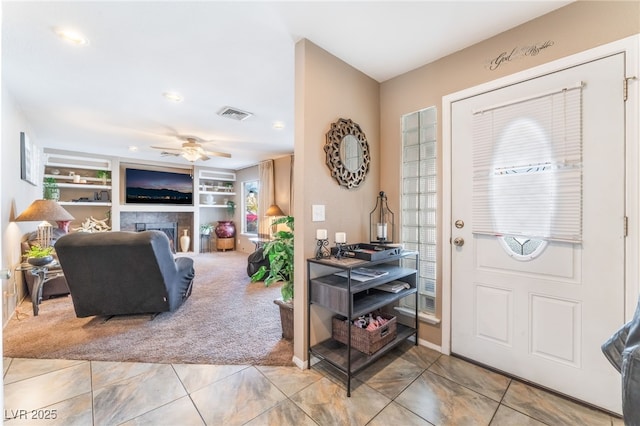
[(119, 273)]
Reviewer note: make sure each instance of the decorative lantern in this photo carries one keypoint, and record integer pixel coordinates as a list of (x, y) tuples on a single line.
[(381, 222)]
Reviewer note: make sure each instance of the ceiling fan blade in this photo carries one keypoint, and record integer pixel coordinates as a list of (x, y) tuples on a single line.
[(166, 154), (192, 138), (218, 154), (166, 148)]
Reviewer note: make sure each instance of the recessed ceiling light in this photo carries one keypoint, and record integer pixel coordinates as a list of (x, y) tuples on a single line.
[(172, 96), (278, 125), (72, 37), (133, 148)]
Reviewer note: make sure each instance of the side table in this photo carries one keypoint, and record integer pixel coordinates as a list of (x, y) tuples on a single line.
[(225, 244), (42, 275)]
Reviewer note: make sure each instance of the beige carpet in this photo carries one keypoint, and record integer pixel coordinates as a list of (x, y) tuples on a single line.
[(227, 320)]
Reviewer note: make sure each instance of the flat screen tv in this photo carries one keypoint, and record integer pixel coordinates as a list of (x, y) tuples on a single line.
[(157, 187)]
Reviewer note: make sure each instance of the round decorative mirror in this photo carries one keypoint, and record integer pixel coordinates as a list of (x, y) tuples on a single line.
[(347, 153)]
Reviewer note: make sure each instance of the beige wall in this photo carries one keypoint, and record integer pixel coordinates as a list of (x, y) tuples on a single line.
[(328, 89), (282, 184), (572, 29), (17, 195)]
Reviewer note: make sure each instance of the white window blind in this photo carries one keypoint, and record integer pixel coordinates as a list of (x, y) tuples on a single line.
[(527, 167)]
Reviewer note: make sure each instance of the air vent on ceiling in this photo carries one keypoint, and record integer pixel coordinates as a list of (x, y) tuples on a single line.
[(234, 113)]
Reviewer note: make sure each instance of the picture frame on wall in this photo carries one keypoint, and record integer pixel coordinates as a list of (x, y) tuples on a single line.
[(28, 160)]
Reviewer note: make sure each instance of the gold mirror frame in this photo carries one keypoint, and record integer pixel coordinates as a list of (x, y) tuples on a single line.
[(345, 177)]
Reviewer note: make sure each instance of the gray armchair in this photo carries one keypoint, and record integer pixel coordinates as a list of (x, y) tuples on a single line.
[(119, 273), (623, 351)]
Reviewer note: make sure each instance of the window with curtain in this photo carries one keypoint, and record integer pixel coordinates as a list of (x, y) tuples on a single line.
[(418, 202), (250, 207)]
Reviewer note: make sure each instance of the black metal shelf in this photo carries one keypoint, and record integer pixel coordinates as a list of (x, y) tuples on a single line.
[(335, 353), (345, 296)]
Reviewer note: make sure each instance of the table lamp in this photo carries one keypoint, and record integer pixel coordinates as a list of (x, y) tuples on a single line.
[(273, 211), (44, 210)]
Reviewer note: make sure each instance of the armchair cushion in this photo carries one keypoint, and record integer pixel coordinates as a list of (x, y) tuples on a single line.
[(116, 273)]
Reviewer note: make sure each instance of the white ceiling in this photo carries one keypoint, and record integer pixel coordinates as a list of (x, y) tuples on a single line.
[(107, 96)]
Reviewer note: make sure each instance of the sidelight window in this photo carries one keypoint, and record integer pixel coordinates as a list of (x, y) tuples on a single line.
[(418, 201), (250, 207)]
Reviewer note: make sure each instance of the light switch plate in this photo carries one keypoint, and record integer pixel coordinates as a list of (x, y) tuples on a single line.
[(317, 213)]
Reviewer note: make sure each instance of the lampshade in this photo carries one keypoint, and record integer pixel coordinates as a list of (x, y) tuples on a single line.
[(44, 210), (274, 210)]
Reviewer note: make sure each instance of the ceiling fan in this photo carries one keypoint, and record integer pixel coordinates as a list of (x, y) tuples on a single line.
[(191, 150)]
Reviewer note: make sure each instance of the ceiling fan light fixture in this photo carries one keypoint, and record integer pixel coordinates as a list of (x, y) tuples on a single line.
[(191, 155), (71, 36), (173, 96)]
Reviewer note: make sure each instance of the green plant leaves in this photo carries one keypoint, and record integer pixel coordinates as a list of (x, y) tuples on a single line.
[(279, 251)]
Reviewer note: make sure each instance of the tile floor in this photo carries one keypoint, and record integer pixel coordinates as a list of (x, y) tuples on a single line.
[(410, 386)]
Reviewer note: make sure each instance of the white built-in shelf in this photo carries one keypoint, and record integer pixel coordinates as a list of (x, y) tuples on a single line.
[(83, 186), (70, 179), (155, 208), (76, 162), (84, 203), (214, 206), (217, 175), (217, 193)]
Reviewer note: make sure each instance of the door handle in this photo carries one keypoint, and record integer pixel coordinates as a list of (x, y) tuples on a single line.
[(458, 241)]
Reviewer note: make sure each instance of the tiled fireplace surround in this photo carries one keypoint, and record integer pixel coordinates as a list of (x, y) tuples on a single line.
[(128, 221)]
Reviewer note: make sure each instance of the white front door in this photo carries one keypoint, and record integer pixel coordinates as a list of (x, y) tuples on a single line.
[(542, 316)]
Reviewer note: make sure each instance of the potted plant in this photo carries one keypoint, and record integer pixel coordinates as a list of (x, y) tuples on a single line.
[(50, 189), (206, 228), (39, 256), (231, 208), (279, 251), (104, 175)]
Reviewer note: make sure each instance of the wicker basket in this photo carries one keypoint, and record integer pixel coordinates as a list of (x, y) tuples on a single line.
[(367, 341)]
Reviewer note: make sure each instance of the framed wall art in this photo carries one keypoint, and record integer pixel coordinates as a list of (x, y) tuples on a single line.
[(28, 160)]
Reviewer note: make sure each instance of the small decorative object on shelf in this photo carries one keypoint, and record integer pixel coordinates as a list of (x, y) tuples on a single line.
[(381, 221), (92, 224), (185, 240), (322, 244), (341, 250)]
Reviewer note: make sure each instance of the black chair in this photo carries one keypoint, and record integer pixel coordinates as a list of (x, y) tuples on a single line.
[(120, 273), (623, 351), (255, 261)]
